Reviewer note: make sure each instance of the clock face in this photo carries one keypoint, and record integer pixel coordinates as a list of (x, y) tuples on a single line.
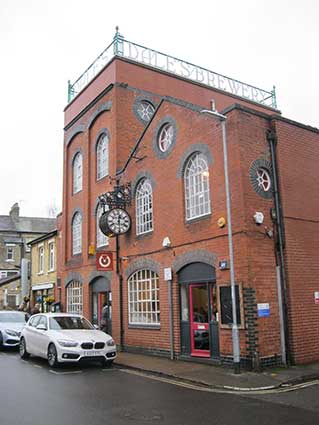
[(118, 221)]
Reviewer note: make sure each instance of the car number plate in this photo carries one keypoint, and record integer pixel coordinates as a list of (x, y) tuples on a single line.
[(92, 353)]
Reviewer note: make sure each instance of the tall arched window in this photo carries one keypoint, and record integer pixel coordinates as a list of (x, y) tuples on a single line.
[(143, 298), (77, 233), (102, 157), (196, 182), (144, 207), (101, 239), (74, 297), (77, 172)]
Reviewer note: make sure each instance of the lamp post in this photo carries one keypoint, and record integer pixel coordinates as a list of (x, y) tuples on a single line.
[(235, 336)]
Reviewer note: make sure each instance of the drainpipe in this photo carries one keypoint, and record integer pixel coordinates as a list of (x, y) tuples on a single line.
[(280, 257), (120, 279)]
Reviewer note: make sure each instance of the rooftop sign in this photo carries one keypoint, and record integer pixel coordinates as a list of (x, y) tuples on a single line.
[(142, 55)]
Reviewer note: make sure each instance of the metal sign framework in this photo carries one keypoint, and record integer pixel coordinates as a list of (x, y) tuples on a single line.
[(143, 55)]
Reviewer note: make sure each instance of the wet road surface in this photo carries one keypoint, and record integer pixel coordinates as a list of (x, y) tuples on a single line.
[(32, 394)]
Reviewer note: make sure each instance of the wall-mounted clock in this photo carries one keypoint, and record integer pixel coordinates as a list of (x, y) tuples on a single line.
[(115, 222)]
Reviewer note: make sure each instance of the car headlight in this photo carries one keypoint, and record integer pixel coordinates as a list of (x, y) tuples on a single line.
[(11, 332), (67, 343), (110, 342)]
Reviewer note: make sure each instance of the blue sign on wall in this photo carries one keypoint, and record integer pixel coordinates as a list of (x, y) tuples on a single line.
[(263, 310)]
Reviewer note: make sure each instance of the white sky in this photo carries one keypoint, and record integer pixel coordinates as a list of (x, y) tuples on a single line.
[(46, 42)]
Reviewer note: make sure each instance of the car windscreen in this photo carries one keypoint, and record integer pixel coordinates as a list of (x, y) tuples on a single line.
[(69, 322), (11, 317)]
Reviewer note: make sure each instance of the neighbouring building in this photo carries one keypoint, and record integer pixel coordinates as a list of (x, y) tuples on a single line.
[(15, 234), (135, 127), (44, 271)]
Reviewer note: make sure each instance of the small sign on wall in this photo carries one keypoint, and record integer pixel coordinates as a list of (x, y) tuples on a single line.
[(316, 295), (168, 273), (263, 310), (104, 261)]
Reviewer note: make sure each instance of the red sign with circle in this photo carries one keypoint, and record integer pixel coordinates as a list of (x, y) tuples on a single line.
[(104, 261)]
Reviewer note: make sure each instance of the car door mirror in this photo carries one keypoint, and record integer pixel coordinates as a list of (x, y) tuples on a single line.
[(41, 327), (96, 327)]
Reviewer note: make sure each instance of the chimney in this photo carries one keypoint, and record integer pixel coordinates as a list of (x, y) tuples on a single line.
[(14, 212)]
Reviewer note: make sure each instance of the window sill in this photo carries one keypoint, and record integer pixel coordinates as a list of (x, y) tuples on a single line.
[(100, 248), (51, 271), (144, 326), (98, 179), (40, 273), (9, 261), (196, 219), (145, 235)]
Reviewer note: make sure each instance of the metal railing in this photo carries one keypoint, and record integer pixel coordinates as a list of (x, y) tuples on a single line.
[(143, 55)]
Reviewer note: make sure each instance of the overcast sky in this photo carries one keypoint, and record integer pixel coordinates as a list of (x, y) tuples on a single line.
[(46, 42)]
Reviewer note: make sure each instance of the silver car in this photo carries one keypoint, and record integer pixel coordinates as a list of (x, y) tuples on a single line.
[(11, 325)]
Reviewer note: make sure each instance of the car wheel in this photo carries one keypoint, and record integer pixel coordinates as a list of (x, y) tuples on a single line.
[(1, 342), (52, 356), (23, 349)]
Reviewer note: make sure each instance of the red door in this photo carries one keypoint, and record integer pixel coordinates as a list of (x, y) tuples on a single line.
[(199, 315)]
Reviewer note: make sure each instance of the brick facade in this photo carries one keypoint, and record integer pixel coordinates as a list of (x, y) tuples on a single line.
[(109, 104)]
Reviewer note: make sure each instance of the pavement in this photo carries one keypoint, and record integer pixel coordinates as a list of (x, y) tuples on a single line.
[(217, 376)]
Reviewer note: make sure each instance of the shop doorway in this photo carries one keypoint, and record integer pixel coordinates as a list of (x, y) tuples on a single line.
[(102, 310), (198, 311), (101, 303)]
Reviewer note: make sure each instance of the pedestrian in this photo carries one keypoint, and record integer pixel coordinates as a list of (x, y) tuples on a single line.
[(35, 309)]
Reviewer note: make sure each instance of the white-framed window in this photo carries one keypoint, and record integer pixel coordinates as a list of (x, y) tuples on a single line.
[(263, 179), (145, 110), (3, 274), (74, 297), (101, 239), (165, 137), (77, 172), (102, 157), (77, 233), (144, 207), (196, 183), (41, 258), (143, 296), (51, 256), (10, 252)]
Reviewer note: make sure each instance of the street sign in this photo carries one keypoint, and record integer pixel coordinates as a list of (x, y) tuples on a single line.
[(104, 261), (263, 310)]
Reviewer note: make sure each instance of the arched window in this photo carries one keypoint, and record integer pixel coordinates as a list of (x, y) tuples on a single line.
[(77, 234), (196, 182), (263, 179), (74, 297), (144, 207), (101, 239), (143, 296), (77, 172), (102, 157)]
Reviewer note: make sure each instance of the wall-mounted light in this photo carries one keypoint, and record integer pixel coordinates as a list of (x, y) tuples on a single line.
[(259, 217), (166, 242)]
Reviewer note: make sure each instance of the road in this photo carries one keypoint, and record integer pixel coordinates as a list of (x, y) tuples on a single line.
[(32, 394)]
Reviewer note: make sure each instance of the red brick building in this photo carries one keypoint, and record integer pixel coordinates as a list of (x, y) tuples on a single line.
[(137, 119)]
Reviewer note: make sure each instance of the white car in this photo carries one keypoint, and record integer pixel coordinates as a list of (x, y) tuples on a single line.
[(65, 337), (11, 324)]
